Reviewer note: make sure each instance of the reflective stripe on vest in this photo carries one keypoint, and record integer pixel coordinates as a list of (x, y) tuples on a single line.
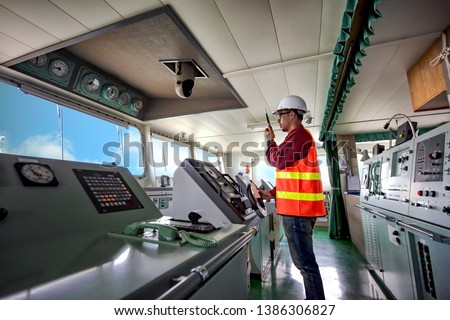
[(298, 175), (299, 196)]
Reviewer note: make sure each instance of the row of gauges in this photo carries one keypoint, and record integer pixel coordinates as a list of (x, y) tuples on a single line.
[(95, 86), (51, 66), (91, 83), (58, 68)]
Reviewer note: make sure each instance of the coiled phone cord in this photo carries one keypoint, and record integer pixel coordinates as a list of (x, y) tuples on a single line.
[(197, 239)]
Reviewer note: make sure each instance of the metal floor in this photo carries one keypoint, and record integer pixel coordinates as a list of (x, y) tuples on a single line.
[(344, 273)]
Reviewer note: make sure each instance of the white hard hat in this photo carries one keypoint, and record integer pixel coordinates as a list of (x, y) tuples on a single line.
[(293, 103)]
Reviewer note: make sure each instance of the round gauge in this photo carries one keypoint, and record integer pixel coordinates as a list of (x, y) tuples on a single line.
[(90, 83), (36, 174), (58, 68), (137, 105), (39, 61), (110, 92), (124, 99)]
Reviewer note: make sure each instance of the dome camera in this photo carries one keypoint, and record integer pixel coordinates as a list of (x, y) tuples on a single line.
[(184, 79)]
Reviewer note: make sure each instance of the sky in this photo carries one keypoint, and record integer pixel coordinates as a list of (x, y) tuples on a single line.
[(32, 127)]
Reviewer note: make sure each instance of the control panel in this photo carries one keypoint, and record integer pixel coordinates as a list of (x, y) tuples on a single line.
[(55, 216), (413, 178), (200, 187), (371, 191), (66, 197), (430, 186), (395, 183), (107, 190)]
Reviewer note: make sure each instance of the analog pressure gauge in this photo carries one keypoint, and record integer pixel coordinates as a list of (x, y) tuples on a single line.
[(39, 61), (90, 83), (124, 99), (110, 92), (58, 68), (137, 105), (35, 174)]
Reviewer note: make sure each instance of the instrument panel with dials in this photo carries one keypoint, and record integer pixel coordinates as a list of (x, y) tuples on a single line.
[(76, 76)]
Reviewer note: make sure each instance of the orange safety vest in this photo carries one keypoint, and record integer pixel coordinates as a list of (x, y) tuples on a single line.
[(299, 189)]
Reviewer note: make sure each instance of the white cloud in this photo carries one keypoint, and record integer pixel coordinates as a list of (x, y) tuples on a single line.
[(45, 146)]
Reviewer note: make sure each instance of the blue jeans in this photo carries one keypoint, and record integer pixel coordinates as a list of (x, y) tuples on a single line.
[(298, 231)]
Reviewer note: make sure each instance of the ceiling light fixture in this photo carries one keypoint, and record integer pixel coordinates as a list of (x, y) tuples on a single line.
[(258, 125)]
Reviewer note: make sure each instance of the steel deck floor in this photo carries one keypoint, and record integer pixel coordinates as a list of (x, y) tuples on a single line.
[(344, 272)]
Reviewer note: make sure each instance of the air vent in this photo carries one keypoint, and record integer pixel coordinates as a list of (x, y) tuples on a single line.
[(427, 271)]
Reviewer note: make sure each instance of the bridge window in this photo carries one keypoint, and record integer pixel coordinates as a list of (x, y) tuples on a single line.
[(32, 126), (167, 155)]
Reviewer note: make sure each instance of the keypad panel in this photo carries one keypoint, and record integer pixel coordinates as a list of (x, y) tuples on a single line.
[(108, 190)]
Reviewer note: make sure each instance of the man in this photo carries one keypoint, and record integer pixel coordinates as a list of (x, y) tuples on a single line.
[(298, 191)]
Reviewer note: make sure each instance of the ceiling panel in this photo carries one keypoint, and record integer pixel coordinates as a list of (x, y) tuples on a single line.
[(434, 16), (323, 85), (250, 93), (297, 27), (273, 86), (3, 57), (229, 122), (11, 48), (241, 117), (48, 17), (91, 14), (205, 22), (400, 102), (386, 86), (376, 63), (397, 19), (300, 85), (171, 126), (23, 31), (331, 19), (131, 8), (214, 125), (251, 25)]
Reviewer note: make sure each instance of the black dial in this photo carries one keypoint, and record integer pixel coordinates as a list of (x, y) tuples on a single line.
[(35, 174)]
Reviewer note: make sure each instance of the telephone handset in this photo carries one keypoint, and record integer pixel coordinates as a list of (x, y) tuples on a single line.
[(165, 232), (169, 233)]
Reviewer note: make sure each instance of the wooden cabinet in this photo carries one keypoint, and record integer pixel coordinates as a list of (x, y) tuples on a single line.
[(429, 85)]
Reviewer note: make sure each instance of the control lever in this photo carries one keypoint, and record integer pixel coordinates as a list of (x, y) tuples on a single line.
[(194, 217)]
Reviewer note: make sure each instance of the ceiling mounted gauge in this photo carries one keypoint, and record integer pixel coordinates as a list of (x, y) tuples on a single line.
[(137, 105), (35, 174), (58, 68), (110, 92), (39, 61), (90, 83), (124, 99)]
